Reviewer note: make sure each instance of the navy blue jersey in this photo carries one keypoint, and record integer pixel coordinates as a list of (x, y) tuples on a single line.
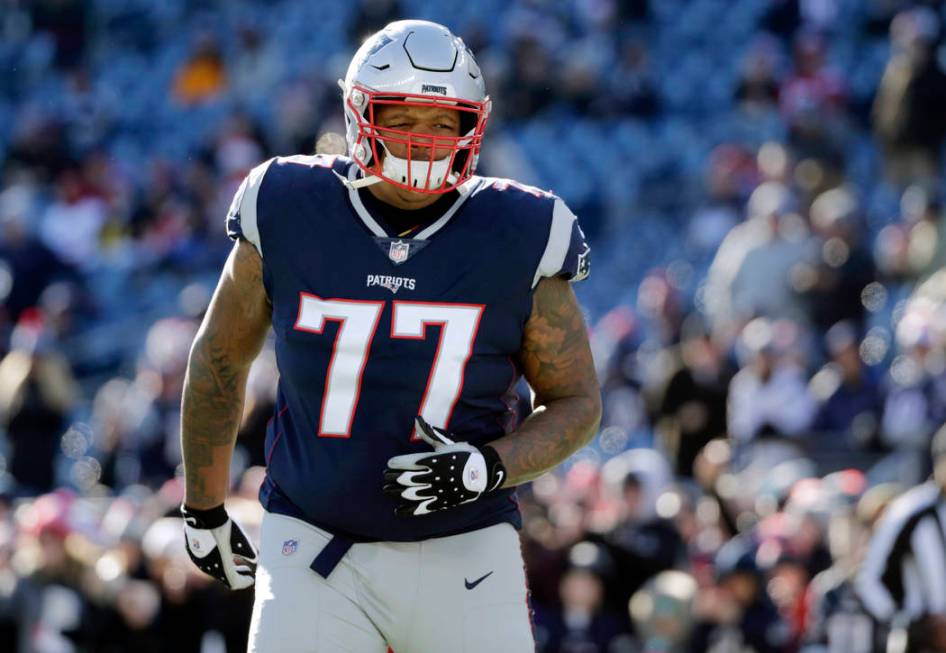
[(372, 330)]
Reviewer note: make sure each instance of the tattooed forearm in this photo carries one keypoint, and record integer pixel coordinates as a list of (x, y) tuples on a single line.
[(211, 410), (212, 407), (548, 437), (557, 361)]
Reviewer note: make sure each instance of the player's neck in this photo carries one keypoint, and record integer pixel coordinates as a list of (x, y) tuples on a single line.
[(400, 198), (403, 222)]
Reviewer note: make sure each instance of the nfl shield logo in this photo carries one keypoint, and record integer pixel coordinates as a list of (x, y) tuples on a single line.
[(399, 251), (289, 547)]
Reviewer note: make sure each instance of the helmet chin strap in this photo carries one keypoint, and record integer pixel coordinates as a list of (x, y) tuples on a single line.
[(361, 182)]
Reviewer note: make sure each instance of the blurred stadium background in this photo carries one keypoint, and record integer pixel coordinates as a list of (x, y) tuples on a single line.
[(762, 183)]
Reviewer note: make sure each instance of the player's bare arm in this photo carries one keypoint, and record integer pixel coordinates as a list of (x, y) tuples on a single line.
[(229, 339), (556, 360)]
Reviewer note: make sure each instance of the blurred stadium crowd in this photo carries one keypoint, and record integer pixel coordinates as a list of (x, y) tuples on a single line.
[(762, 181)]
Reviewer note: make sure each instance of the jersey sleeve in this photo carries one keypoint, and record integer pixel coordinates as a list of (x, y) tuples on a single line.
[(242, 216), (567, 254)]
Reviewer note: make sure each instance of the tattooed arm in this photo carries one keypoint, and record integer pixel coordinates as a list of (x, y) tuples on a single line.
[(228, 341), (556, 359)]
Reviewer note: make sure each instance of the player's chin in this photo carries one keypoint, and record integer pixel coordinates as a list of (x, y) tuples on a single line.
[(412, 200), (412, 196)]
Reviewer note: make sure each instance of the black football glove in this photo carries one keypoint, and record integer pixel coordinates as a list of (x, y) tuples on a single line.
[(219, 547), (454, 473)]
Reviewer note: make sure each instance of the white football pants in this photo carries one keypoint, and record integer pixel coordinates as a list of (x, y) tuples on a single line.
[(460, 594)]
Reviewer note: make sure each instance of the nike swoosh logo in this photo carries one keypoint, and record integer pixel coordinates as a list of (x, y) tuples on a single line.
[(499, 481), (476, 582)]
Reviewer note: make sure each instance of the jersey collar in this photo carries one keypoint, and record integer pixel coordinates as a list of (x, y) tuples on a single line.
[(465, 189)]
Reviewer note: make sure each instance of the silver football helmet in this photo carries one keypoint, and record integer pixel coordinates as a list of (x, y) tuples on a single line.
[(422, 64)]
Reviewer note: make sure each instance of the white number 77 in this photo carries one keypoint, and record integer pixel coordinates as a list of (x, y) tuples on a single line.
[(358, 321)]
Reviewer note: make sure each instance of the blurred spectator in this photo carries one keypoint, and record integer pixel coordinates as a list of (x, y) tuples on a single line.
[(690, 408), (769, 395), (786, 579), (922, 212), (730, 174), (37, 395), (256, 60), (758, 88), (751, 274), (662, 612), (661, 308), (581, 78), (528, 87), (812, 100), (73, 223), (910, 108), (817, 145), (67, 24), (915, 403), (49, 595), (161, 381), (617, 341), (811, 504), (642, 543), (29, 265), (134, 624), (847, 390), (812, 84), (584, 623), (137, 422), (630, 82), (239, 147), (202, 76), (832, 284), (736, 614), (86, 112), (712, 470), (300, 107)]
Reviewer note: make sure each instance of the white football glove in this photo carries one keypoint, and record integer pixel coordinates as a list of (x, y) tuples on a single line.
[(219, 547), (453, 474)]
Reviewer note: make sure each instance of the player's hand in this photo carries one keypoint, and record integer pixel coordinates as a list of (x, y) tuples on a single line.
[(454, 473), (219, 547)]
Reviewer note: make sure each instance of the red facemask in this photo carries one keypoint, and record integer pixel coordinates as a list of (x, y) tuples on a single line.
[(424, 172)]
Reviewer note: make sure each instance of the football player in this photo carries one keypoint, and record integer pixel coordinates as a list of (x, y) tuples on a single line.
[(407, 297)]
